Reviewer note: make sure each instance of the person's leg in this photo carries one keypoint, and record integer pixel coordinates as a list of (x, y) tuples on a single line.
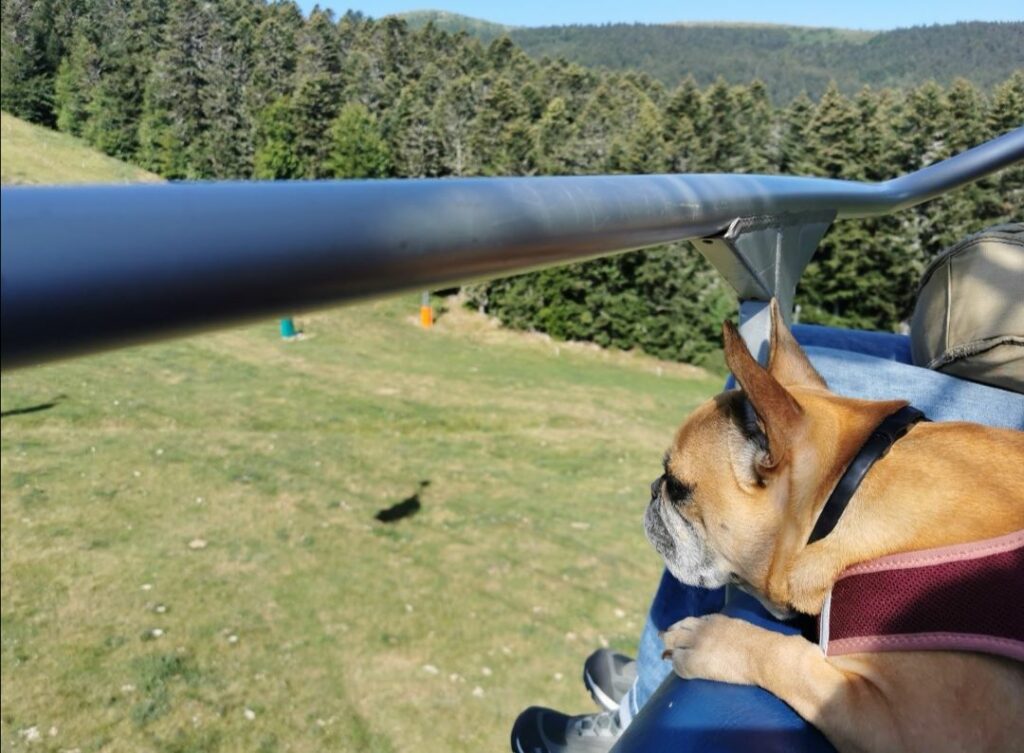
[(940, 396), (651, 670), (544, 729)]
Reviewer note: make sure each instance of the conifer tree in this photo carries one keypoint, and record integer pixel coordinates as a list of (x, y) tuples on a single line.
[(226, 146), (500, 133), (555, 133), (641, 149), (683, 111), (316, 100), (1005, 113), (276, 42), (29, 56), (596, 126), (964, 211), (451, 120), (77, 77), (275, 156), (966, 116), (831, 135), (858, 277), (1007, 108), (416, 144), (723, 149), (924, 127), (792, 149), (174, 117), (115, 100), (357, 148), (757, 149)]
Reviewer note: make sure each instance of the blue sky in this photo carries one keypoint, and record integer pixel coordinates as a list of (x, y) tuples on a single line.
[(855, 14)]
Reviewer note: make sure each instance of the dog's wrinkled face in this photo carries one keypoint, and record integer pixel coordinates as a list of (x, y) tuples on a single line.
[(738, 463), (711, 515)]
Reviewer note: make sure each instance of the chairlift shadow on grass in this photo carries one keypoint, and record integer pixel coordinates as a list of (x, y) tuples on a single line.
[(33, 408), (404, 509)]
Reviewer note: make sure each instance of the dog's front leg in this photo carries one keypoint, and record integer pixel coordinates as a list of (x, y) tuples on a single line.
[(846, 707)]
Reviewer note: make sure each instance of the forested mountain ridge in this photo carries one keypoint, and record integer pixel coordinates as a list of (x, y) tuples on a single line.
[(789, 59), (454, 22), (196, 89)]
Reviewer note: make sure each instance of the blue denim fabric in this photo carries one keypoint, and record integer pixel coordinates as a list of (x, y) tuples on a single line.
[(852, 374), (941, 397), (673, 601), (651, 669), (885, 345)]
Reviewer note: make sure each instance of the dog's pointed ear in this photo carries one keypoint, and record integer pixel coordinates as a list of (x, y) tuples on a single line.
[(787, 361), (777, 410)]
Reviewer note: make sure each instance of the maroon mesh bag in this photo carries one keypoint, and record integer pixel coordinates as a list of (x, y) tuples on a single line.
[(968, 597)]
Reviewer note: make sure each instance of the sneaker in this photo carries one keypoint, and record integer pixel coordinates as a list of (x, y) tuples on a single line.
[(540, 730), (608, 676)]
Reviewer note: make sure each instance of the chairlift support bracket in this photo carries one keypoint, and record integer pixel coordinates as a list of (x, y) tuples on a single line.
[(763, 257)]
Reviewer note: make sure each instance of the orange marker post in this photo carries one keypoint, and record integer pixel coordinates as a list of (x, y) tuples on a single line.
[(426, 311)]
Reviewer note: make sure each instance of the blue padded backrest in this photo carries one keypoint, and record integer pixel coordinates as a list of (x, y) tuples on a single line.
[(887, 345)]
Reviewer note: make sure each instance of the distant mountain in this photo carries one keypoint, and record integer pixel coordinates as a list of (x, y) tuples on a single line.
[(789, 59), (453, 22)]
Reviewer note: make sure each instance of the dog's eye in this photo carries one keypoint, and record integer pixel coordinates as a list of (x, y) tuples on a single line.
[(677, 492)]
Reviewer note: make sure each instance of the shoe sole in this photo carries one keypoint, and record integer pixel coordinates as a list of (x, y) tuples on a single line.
[(600, 697)]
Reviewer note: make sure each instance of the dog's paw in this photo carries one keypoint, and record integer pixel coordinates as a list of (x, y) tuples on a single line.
[(715, 647)]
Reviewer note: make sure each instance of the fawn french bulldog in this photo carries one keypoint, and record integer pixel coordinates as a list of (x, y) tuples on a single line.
[(745, 481)]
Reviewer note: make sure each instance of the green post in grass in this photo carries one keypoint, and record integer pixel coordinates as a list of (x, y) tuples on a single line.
[(288, 328)]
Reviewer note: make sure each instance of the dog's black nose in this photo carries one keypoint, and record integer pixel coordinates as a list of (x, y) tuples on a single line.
[(656, 487)]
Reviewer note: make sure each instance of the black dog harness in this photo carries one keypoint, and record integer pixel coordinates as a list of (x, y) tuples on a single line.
[(885, 435)]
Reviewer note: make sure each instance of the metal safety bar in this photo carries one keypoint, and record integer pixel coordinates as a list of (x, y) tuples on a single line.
[(89, 268)]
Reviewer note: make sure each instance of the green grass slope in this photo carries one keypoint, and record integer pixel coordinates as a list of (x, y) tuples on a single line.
[(33, 154), (191, 559)]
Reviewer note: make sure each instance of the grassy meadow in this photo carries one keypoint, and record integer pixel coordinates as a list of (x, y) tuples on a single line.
[(32, 154), (191, 559)]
